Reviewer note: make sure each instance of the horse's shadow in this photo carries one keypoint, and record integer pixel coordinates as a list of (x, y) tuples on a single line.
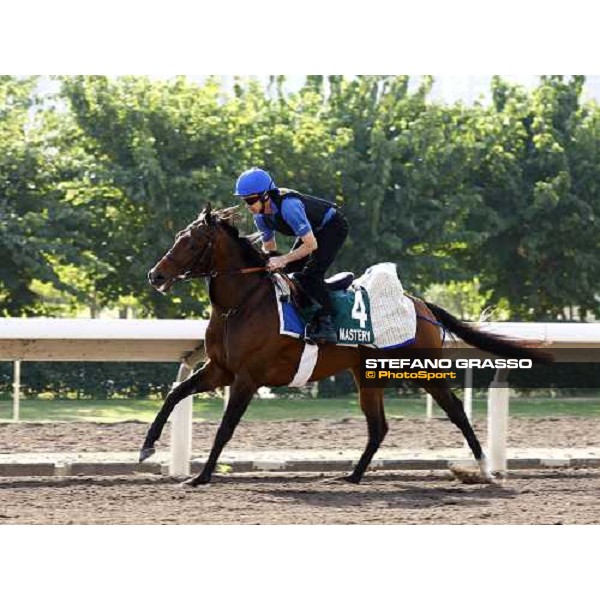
[(409, 490), (403, 494)]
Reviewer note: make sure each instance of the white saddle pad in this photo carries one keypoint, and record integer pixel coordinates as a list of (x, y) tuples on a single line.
[(393, 314)]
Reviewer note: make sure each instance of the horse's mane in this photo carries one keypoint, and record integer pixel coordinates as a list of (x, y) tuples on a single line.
[(250, 252)]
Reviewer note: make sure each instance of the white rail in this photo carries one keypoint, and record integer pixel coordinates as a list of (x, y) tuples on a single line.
[(119, 340), (552, 337), (140, 340)]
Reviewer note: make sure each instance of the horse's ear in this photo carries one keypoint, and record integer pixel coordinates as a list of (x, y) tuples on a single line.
[(205, 215)]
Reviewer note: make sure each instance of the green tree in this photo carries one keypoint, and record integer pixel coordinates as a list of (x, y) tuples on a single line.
[(535, 223), (164, 149), (94, 186), (38, 231)]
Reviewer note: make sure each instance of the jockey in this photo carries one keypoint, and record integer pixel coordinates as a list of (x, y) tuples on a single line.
[(320, 230)]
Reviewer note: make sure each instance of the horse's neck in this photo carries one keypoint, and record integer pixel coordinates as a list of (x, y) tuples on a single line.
[(228, 292)]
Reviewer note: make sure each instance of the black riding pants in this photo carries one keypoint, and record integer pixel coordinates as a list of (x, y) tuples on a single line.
[(310, 270)]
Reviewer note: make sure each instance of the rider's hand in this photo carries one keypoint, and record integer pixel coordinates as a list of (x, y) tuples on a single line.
[(276, 262)]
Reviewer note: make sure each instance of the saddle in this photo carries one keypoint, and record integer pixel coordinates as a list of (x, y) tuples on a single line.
[(339, 281), (299, 298), (369, 310)]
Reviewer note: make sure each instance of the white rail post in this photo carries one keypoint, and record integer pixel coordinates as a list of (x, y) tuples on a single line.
[(429, 407), (181, 430), (468, 393), (468, 399), (498, 396), (17, 391)]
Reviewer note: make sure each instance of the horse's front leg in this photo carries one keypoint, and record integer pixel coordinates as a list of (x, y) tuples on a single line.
[(208, 377), (242, 390)]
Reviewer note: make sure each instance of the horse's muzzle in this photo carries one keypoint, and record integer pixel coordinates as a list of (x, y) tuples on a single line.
[(158, 281)]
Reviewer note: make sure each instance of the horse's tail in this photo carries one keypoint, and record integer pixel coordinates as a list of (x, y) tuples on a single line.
[(489, 342)]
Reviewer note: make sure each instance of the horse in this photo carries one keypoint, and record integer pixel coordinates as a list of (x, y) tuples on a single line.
[(245, 349)]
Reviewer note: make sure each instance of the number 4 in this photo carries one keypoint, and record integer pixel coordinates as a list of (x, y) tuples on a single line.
[(359, 310)]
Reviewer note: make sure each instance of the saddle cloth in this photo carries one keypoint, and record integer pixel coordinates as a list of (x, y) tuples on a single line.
[(373, 311)]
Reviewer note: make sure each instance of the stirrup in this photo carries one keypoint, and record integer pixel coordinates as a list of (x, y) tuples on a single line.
[(333, 339)]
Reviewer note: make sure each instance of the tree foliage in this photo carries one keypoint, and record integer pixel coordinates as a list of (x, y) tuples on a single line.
[(498, 202)]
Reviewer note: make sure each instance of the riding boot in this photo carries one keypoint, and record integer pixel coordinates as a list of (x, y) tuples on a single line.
[(324, 332)]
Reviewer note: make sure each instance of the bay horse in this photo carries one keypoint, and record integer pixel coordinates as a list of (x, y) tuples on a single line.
[(246, 351)]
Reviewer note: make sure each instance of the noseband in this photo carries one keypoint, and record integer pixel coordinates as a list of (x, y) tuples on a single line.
[(197, 261)]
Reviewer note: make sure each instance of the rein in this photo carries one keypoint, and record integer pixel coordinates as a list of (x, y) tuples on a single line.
[(212, 274)]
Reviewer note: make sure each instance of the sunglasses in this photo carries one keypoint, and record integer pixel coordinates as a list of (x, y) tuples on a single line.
[(253, 199)]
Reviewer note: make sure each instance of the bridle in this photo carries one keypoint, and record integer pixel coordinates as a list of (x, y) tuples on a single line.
[(208, 247), (209, 240)]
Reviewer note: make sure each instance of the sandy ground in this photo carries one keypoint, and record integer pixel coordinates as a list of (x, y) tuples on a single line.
[(563, 432), (549, 496)]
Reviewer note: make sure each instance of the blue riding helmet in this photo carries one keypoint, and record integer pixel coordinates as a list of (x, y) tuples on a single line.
[(253, 181)]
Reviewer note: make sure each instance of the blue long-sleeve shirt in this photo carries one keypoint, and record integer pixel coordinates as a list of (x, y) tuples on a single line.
[(293, 212)]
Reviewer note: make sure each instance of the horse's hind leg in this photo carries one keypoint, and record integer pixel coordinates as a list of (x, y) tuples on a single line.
[(207, 378), (453, 407), (371, 403), (242, 391)]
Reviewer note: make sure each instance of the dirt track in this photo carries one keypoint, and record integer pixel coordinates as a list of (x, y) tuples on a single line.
[(554, 432), (537, 497), (546, 496)]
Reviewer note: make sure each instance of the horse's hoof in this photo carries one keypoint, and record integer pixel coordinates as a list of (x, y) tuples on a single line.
[(332, 481), (188, 484), (146, 453), (191, 483), (498, 477), (470, 476), (340, 479), (352, 479)]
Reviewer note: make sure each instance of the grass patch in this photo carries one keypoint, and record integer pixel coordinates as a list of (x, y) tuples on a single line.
[(275, 409)]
